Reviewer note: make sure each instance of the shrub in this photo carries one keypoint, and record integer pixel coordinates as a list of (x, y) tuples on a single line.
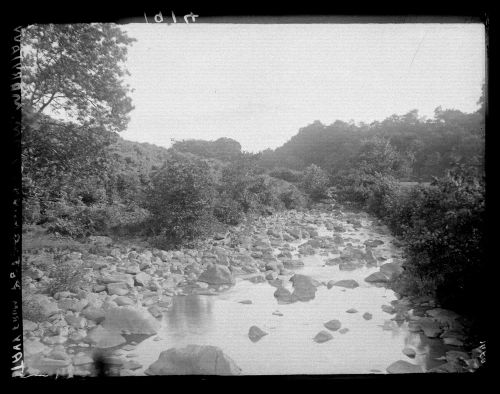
[(65, 276), (315, 182), (181, 199), (286, 174)]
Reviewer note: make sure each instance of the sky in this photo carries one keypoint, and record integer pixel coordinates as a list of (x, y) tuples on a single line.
[(260, 83)]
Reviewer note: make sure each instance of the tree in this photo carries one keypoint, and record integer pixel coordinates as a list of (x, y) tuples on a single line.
[(315, 182), (76, 70)]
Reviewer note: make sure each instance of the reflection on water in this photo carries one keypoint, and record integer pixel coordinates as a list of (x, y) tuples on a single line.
[(190, 314)]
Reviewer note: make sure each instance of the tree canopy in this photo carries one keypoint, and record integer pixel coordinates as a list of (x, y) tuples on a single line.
[(76, 71)]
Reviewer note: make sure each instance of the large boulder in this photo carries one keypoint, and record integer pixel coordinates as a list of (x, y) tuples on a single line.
[(304, 287), (217, 274), (193, 360), (103, 338), (130, 320)]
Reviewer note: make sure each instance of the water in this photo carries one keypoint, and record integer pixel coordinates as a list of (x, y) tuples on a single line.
[(369, 346)]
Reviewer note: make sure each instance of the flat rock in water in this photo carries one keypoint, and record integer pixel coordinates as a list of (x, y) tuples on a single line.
[(255, 333), (322, 336), (352, 310), (246, 302), (193, 360), (103, 338), (347, 283), (333, 325), (409, 352), (402, 366)]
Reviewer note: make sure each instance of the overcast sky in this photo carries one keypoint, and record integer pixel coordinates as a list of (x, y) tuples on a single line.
[(260, 83)]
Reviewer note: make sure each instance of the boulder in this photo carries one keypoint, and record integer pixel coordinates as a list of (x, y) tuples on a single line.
[(409, 352), (403, 367), (72, 304), (116, 277), (322, 336), (33, 347), (255, 333), (131, 320), (93, 313), (217, 274), (304, 287), (293, 263), (431, 328), (193, 360), (333, 325), (283, 295), (100, 240), (377, 277), (103, 338)]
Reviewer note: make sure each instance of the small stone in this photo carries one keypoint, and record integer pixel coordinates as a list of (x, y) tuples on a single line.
[(255, 333), (322, 336), (367, 316), (352, 310), (343, 330), (333, 325), (388, 309), (246, 302)]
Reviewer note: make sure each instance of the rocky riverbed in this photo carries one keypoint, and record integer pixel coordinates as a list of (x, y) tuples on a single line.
[(293, 293)]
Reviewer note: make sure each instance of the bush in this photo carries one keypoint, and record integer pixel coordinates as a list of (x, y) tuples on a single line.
[(66, 276), (286, 174), (181, 199), (315, 182)]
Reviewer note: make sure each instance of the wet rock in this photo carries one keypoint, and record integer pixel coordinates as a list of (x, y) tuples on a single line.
[(283, 295), (246, 302), (409, 352), (343, 330), (322, 336), (304, 287), (347, 283), (431, 328), (367, 316), (333, 325), (76, 321), (444, 316), (403, 367), (453, 342), (104, 338), (122, 301), (277, 313), (194, 360), (352, 310), (255, 333), (131, 320), (131, 364), (455, 356), (72, 304), (388, 309), (217, 274), (377, 277)]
